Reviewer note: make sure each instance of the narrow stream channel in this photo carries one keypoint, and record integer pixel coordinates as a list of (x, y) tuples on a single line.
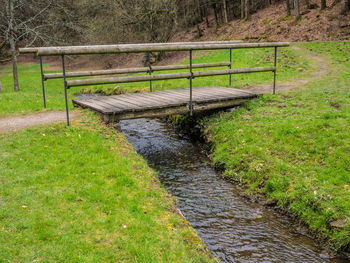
[(233, 229)]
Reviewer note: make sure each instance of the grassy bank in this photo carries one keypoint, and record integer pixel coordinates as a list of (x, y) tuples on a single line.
[(82, 194), (294, 148)]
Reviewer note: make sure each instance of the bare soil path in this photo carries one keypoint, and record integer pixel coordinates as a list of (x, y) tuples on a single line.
[(323, 67), (16, 123)]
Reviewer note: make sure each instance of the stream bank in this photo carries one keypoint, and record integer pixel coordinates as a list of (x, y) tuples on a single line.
[(234, 229)]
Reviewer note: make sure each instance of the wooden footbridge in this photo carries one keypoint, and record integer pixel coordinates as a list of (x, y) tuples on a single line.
[(154, 103)]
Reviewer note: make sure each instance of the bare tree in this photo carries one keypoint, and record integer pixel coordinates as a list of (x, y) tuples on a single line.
[(18, 22), (296, 9), (288, 7), (225, 10), (12, 41), (246, 9)]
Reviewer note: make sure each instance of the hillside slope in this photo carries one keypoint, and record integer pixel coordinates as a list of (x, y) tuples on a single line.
[(273, 24)]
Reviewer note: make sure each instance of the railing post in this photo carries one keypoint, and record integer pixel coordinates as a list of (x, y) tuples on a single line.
[(42, 80), (65, 88), (230, 66), (274, 72), (150, 69), (191, 77)]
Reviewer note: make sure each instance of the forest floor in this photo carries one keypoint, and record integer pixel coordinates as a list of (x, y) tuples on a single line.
[(273, 24)]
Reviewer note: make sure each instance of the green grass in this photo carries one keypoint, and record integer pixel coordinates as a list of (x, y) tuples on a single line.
[(291, 65), (294, 148), (82, 194), (29, 99)]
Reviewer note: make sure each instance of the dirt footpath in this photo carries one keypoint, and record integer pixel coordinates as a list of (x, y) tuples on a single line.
[(11, 124)]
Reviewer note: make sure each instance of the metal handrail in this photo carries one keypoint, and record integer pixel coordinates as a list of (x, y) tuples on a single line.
[(183, 75), (148, 48), (132, 70)]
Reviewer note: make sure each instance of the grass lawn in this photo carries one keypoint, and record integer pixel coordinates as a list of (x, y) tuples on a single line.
[(294, 148), (82, 194)]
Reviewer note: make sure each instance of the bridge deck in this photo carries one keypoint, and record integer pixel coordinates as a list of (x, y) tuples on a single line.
[(163, 103)]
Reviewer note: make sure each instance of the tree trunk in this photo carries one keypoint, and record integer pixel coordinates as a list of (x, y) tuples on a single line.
[(10, 14), (216, 16), (246, 9), (14, 63), (323, 4), (242, 9), (205, 14), (288, 7), (296, 9), (199, 31), (207, 21), (199, 11), (225, 11)]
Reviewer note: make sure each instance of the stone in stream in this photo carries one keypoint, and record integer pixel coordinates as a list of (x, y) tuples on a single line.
[(325, 255)]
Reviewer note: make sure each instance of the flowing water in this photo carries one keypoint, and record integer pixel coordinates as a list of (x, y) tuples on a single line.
[(233, 229)]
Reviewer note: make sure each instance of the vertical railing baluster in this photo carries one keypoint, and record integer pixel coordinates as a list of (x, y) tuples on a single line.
[(65, 88), (274, 73), (149, 69), (191, 77), (230, 66), (42, 80)]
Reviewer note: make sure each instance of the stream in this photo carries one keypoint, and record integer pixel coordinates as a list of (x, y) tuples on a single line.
[(232, 228)]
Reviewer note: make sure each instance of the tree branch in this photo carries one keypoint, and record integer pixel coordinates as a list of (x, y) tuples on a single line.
[(33, 17)]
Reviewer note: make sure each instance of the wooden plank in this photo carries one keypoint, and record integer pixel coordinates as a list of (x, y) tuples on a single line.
[(129, 79), (124, 105), (180, 95), (35, 49), (116, 107), (226, 91), (92, 106), (142, 101), (165, 102), (101, 104), (240, 90), (141, 48), (132, 70), (215, 93), (132, 101), (159, 97)]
